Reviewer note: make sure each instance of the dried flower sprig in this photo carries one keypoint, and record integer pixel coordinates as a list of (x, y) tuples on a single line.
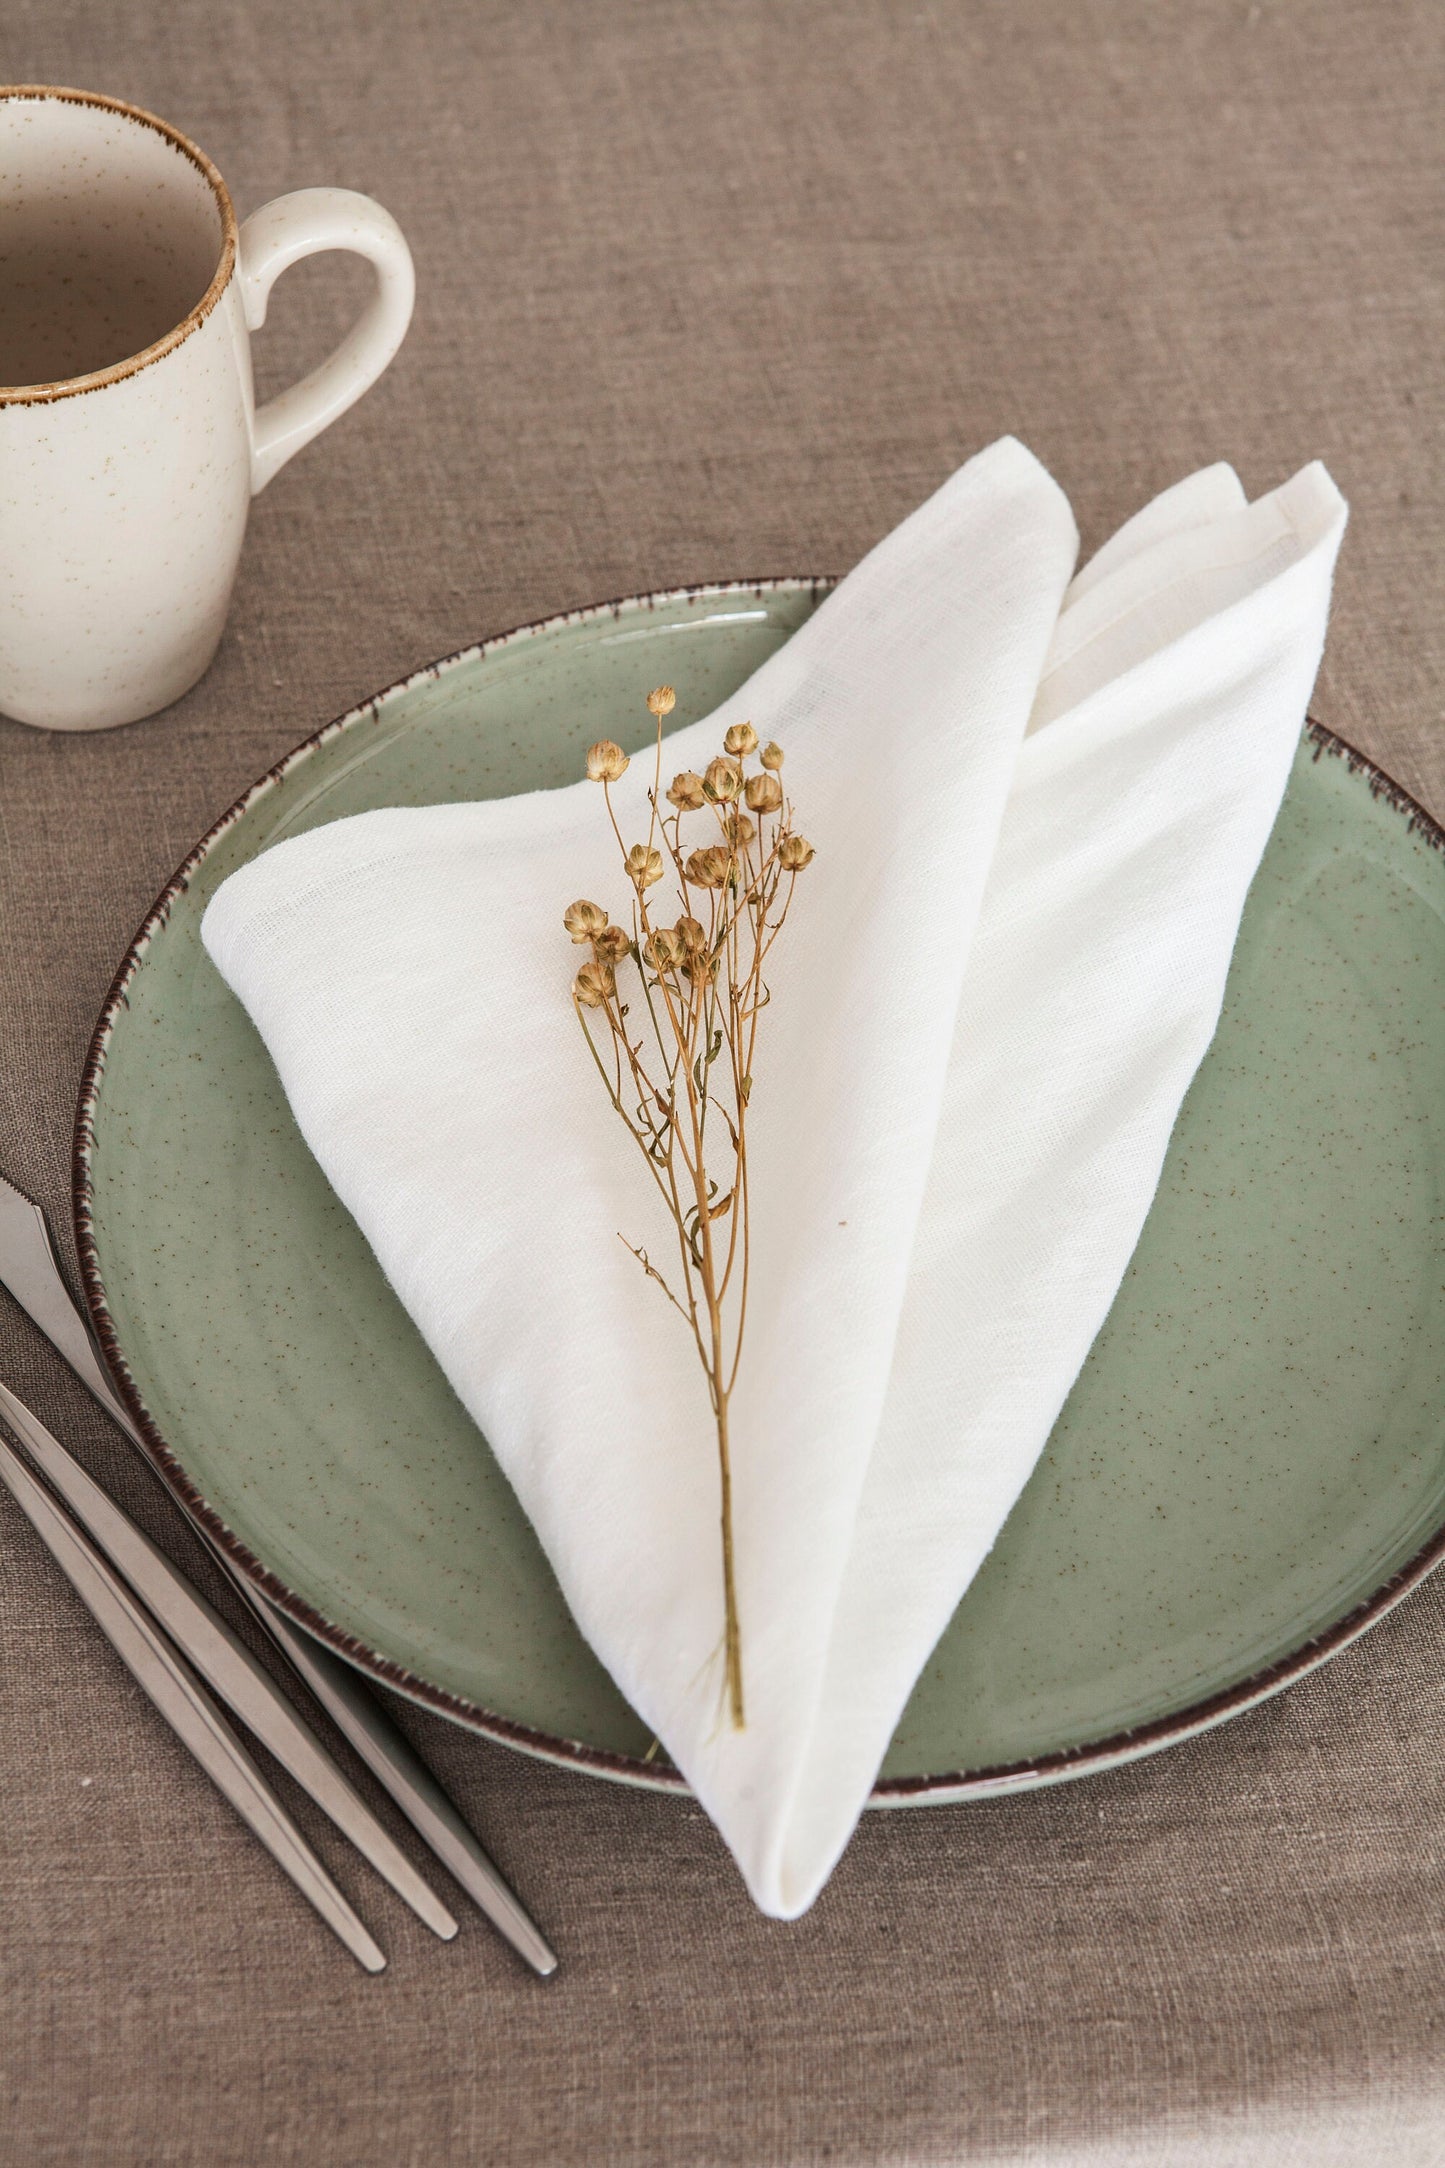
[(680, 1070)]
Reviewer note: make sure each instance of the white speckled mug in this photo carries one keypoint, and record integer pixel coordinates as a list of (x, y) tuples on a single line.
[(130, 444)]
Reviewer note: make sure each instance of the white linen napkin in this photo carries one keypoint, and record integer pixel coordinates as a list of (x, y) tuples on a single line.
[(1037, 813)]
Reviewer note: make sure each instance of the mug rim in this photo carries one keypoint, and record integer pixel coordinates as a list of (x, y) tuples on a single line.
[(96, 380)]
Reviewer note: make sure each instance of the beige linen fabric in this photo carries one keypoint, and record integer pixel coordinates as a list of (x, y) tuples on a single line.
[(706, 291)]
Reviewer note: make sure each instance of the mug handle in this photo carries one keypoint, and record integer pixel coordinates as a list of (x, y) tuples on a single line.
[(280, 234)]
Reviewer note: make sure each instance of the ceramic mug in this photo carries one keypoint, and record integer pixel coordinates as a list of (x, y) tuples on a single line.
[(130, 443)]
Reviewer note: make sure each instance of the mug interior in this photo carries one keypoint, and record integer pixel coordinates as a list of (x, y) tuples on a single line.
[(112, 231)]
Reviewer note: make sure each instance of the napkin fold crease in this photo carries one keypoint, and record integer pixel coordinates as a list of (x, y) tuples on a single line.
[(1037, 808)]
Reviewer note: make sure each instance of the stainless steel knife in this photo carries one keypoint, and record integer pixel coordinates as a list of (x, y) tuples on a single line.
[(165, 1677), (31, 1270), (223, 1661)]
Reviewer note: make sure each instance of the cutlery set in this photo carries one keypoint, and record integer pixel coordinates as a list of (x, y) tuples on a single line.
[(188, 1660)]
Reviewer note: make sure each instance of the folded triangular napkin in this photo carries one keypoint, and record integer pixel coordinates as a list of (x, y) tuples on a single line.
[(1037, 810)]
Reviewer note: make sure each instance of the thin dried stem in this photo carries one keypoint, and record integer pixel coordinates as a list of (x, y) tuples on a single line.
[(703, 994)]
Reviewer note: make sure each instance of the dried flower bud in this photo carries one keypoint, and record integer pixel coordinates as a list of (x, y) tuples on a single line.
[(690, 933), (722, 780), (771, 755), (612, 944), (661, 700), (709, 868), (605, 761), (742, 738), (795, 852), (593, 985), (644, 866), (764, 793), (686, 792), (663, 950), (738, 828), (584, 921)]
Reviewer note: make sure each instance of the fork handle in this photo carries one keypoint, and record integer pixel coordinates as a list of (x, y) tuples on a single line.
[(410, 1783), (183, 1702), (357, 1714), (34, 1275)]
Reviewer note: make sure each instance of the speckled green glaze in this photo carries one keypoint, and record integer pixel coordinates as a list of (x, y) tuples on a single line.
[(1250, 1469)]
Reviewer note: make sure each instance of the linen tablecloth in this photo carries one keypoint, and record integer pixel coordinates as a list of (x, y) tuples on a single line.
[(703, 292)]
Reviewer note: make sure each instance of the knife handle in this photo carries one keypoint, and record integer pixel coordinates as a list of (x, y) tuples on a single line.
[(31, 1269), (181, 1700)]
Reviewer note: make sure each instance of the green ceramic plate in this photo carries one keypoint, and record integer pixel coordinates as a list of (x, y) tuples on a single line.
[(1250, 1470)]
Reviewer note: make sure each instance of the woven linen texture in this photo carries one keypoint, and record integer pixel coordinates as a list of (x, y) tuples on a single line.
[(703, 292)]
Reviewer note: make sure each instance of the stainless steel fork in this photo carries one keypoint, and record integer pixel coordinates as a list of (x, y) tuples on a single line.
[(31, 1270)]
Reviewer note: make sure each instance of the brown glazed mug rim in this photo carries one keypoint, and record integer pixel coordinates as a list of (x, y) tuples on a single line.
[(98, 379)]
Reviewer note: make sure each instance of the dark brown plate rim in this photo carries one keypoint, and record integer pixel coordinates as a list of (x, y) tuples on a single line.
[(937, 1789)]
